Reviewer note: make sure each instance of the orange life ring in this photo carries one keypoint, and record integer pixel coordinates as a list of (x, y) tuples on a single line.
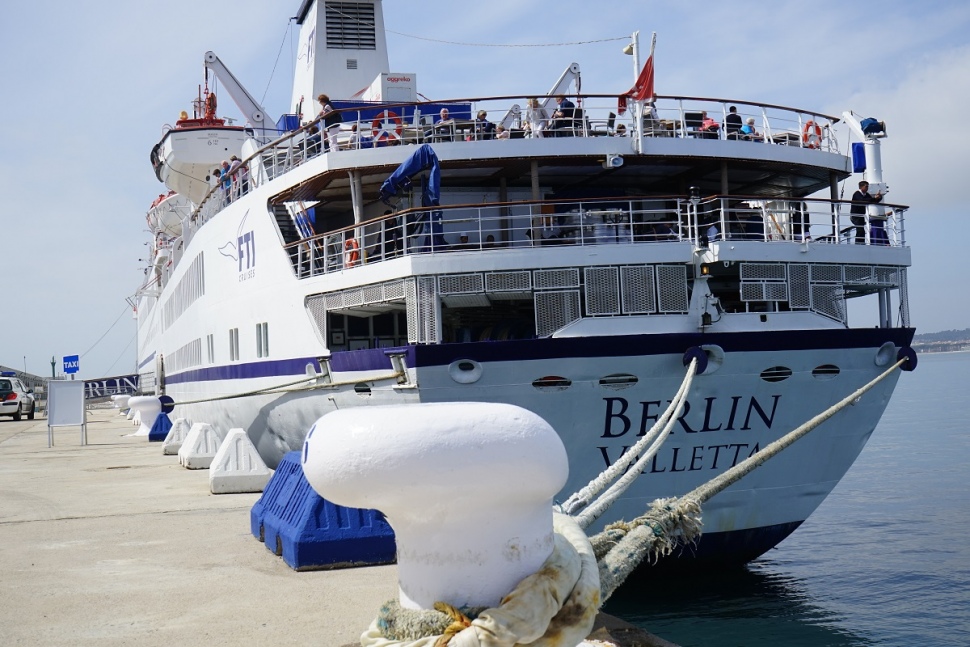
[(378, 130), (812, 134), (351, 252)]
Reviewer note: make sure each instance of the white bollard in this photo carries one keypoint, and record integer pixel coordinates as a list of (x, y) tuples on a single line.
[(467, 488), (147, 407), (120, 401)]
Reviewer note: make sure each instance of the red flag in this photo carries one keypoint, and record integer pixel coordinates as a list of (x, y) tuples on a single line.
[(641, 90)]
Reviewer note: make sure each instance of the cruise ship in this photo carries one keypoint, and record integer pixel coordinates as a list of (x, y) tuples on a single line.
[(563, 252)]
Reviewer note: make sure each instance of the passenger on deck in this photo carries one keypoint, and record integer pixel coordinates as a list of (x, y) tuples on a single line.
[(861, 200), (330, 121), (620, 131), (733, 123), (444, 127), (226, 181), (484, 129), (538, 118), (501, 133), (749, 132), (563, 119), (463, 243), (708, 128)]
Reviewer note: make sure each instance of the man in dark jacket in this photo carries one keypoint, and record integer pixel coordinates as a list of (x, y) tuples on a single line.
[(861, 200)]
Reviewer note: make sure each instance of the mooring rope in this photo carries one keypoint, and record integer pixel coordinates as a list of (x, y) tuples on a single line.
[(613, 553), (655, 438), (669, 522), (285, 388)]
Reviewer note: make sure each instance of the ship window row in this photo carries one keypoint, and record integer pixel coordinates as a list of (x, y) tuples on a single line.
[(188, 290)]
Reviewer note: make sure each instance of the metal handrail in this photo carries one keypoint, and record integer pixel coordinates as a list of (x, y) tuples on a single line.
[(601, 221)]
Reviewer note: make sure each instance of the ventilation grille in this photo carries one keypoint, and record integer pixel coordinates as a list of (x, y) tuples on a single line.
[(827, 300), (672, 288), (565, 278), (427, 310), (800, 292), (508, 282), (602, 291), (461, 284), (637, 290), (762, 272), (826, 273), (316, 307), (554, 310), (350, 25)]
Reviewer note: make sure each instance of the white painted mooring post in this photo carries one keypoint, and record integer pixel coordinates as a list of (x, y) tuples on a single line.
[(147, 407), (467, 488)]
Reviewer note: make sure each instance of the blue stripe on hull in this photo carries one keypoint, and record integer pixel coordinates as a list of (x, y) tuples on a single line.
[(531, 349)]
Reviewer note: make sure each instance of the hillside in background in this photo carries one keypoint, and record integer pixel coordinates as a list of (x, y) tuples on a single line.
[(941, 342)]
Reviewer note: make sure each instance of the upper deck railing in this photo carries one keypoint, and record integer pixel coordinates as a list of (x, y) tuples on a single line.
[(384, 125), (604, 221)]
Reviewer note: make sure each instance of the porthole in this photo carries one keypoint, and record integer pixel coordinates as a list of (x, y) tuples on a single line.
[(552, 383), (776, 374), (825, 371), (618, 381), (465, 371), (362, 388)]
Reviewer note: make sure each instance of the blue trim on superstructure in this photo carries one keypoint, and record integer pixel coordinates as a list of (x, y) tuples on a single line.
[(373, 359), (146, 361), (370, 359)]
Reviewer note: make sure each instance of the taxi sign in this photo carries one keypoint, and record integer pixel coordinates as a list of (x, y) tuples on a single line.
[(70, 364)]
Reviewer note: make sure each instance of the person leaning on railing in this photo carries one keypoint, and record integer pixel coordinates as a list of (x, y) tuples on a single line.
[(861, 200)]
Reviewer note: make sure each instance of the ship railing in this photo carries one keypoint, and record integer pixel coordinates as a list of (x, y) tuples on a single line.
[(603, 221), (378, 125), (800, 220)]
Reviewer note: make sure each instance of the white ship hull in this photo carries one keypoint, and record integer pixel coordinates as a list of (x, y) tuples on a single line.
[(573, 305)]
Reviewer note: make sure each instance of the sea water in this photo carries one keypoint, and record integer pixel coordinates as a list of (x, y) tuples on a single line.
[(885, 560)]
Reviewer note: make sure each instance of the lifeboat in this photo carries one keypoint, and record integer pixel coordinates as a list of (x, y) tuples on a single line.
[(187, 154)]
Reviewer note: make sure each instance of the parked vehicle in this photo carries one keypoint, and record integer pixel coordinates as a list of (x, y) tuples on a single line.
[(15, 399)]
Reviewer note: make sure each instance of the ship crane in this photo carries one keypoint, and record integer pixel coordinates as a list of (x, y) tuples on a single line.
[(253, 112), (568, 76), (870, 132)]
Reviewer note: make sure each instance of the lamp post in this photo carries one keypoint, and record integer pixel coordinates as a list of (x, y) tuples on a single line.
[(53, 363), (633, 48)]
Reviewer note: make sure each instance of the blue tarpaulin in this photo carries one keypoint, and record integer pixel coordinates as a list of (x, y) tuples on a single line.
[(858, 157), (400, 180)]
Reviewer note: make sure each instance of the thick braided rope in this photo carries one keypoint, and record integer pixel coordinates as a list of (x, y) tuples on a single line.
[(659, 433), (623, 546)]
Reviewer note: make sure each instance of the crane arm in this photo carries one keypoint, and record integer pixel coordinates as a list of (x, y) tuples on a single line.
[(571, 74), (254, 112)]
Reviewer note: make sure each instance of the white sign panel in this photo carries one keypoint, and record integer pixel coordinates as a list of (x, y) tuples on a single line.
[(65, 407)]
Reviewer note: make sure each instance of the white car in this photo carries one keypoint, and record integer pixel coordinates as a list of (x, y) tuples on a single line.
[(15, 399)]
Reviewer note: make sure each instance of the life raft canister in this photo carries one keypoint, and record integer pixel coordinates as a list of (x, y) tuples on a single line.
[(812, 134), (351, 252), (380, 133)]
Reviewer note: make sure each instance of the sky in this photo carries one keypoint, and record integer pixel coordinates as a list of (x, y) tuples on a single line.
[(89, 86)]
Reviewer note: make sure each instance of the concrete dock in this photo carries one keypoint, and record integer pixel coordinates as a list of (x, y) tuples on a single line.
[(113, 543)]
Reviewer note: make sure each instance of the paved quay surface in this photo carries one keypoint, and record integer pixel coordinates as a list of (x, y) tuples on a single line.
[(114, 543)]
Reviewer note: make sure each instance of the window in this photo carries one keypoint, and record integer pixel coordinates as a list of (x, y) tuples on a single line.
[(233, 344), (262, 339), (210, 342)]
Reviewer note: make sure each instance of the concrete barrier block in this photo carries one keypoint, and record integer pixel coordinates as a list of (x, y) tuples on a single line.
[(309, 532), (200, 446), (237, 466), (176, 436)]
